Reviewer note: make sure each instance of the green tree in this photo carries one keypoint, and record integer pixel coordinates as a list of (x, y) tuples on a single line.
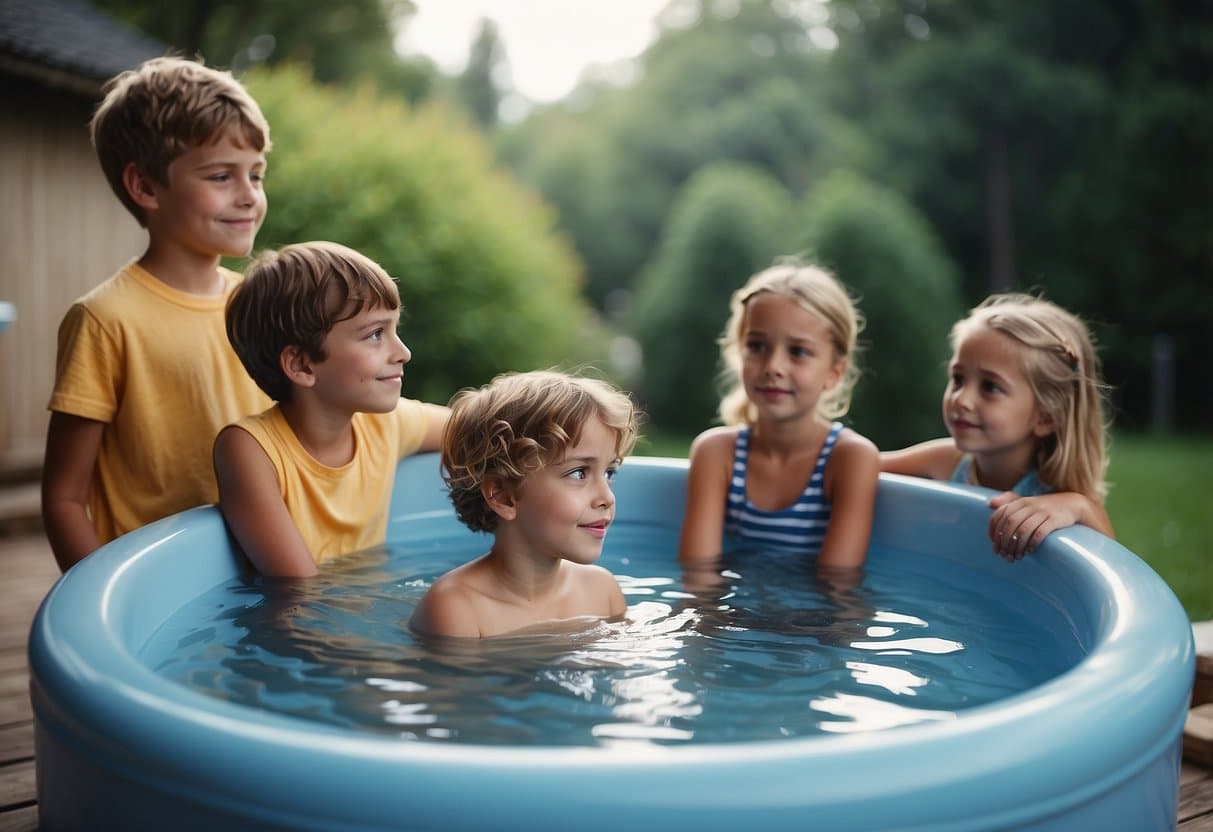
[(1062, 147), (886, 253), (728, 222), (341, 41), (738, 82), (486, 284), (477, 88)]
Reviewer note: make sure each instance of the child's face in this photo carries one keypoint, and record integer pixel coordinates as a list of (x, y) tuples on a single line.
[(787, 358), (988, 404), (363, 368), (213, 204), (563, 510)]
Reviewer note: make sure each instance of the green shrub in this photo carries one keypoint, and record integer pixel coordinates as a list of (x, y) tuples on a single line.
[(726, 224), (487, 285), (888, 256)]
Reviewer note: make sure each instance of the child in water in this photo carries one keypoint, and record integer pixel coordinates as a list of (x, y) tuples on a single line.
[(781, 475), (1024, 408), (530, 458)]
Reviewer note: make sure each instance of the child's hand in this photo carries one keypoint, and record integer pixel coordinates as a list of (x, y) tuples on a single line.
[(1020, 524)]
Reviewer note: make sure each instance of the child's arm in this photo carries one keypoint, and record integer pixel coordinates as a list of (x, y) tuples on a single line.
[(72, 446), (851, 477), (707, 489), (934, 459), (251, 502), (436, 417), (1020, 524)]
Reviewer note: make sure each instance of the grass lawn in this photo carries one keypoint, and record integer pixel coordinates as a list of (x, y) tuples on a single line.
[(1161, 504)]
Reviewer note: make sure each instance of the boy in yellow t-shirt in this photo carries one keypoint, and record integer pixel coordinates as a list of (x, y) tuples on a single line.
[(145, 376), (311, 478)]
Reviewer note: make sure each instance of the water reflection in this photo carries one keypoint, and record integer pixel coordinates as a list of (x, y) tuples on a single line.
[(754, 648)]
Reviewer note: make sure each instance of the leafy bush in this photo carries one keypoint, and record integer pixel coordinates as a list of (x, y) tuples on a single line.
[(726, 224), (487, 285), (881, 248)]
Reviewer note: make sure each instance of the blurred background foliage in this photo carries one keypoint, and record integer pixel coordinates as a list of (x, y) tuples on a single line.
[(927, 151), (487, 284)]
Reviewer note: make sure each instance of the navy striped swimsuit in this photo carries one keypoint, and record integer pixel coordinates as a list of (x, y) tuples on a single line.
[(801, 527)]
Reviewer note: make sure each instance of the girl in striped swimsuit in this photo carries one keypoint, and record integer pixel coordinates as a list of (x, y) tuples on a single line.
[(781, 475)]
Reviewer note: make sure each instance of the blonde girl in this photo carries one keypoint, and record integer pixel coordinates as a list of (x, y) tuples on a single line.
[(780, 474), (1025, 410)]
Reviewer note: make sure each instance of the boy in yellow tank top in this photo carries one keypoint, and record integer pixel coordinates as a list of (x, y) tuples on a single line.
[(310, 479), (145, 376)]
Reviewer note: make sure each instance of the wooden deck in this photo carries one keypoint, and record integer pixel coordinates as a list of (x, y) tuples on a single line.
[(27, 571)]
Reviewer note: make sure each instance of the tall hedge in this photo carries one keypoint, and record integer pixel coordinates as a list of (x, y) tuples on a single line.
[(726, 223), (886, 253), (487, 283)]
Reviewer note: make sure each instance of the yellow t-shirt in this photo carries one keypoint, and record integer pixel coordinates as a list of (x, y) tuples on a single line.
[(340, 510), (155, 365)]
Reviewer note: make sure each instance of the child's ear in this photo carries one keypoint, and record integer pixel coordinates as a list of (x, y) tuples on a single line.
[(837, 371), (1044, 426), (297, 366), (139, 187), (500, 497)]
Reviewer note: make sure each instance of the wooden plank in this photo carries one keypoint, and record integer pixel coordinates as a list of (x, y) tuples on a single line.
[(1203, 823), (1195, 800), (17, 785), (1198, 735), (15, 710), (1190, 772), (23, 819), (16, 743)]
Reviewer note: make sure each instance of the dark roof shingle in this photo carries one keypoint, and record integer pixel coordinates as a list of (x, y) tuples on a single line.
[(71, 39)]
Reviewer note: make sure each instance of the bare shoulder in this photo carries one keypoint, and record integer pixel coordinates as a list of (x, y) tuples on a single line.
[(601, 585), (714, 443), (448, 607), (855, 458), (855, 446)]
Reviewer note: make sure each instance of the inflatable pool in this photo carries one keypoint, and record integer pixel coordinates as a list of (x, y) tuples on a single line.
[(1096, 747)]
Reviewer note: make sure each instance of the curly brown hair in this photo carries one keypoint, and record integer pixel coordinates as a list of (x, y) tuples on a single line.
[(518, 424)]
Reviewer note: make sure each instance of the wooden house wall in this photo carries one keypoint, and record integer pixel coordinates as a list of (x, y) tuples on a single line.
[(62, 233)]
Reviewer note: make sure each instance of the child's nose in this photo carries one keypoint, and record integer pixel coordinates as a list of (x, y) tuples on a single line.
[(606, 497), (404, 353)]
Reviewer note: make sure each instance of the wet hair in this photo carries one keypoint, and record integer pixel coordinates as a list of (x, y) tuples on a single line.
[(821, 295), (292, 298), (518, 424), (153, 114), (1057, 355)]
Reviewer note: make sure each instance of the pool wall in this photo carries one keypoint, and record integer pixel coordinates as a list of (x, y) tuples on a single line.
[(118, 747)]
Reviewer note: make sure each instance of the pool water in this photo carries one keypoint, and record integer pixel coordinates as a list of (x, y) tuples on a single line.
[(759, 649)]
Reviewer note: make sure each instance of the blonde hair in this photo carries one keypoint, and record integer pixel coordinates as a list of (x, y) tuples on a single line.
[(153, 114), (518, 424), (292, 298), (821, 295), (1058, 357)]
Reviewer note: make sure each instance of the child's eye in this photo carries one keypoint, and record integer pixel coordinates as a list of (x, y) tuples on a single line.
[(611, 472), (988, 386), (219, 177), (800, 352), (577, 474), (377, 335), (754, 346), (957, 380)]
